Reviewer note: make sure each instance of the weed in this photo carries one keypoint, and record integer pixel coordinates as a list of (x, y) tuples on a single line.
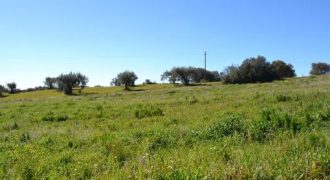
[(50, 117), (282, 98), (163, 141), (144, 111), (25, 137), (28, 173), (270, 122), (226, 126)]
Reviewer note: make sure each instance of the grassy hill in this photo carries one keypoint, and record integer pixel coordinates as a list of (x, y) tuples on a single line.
[(260, 131)]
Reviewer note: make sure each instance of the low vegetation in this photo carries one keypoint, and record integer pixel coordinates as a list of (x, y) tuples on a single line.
[(278, 130)]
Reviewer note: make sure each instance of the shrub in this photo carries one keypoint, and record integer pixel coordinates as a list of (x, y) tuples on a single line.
[(28, 173), (226, 126), (25, 137), (282, 98), (143, 111), (51, 117), (270, 122), (148, 81), (163, 141), (316, 118)]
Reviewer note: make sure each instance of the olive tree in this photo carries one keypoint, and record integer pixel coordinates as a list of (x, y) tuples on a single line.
[(50, 82), (82, 80), (12, 87), (187, 75), (126, 79), (66, 82), (2, 89)]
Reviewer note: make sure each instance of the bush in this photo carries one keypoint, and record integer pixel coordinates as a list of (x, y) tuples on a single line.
[(270, 122), (143, 111), (226, 126), (163, 141), (282, 98), (148, 81), (51, 117), (316, 118)]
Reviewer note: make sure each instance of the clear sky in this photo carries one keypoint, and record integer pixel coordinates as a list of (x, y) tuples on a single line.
[(101, 38)]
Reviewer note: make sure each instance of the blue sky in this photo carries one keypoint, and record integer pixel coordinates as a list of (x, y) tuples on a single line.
[(101, 38)]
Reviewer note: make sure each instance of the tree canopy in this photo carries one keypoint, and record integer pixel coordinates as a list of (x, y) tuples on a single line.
[(126, 78), (320, 68), (66, 82), (12, 87), (187, 75), (50, 82), (257, 69)]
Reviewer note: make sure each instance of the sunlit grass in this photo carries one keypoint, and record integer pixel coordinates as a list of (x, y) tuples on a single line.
[(259, 131)]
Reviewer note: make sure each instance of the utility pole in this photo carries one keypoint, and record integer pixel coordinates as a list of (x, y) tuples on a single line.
[(205, 54)]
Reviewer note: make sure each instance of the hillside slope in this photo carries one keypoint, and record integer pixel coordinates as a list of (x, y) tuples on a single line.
[(270, 130)]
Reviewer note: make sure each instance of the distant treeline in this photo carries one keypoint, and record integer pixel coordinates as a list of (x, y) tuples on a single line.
[(251, 70)]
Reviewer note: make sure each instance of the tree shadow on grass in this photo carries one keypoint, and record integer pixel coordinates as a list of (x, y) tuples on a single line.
[(135, 90), (191, 85)]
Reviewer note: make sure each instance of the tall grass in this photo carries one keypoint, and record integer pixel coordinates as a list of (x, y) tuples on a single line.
[(276, 130)]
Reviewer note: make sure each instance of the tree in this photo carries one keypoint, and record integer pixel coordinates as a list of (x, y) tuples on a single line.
[(114, 82), (283, 70), (256, 70), (148, 81), (231, 75), (182, 74), (12, 87), (2, 89), (50, 82), (189, 75), (82, 80), (66, 82), (126, 79), (168, 75), (320, 68)]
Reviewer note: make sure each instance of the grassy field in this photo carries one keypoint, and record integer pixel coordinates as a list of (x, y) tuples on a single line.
[(208, 131)]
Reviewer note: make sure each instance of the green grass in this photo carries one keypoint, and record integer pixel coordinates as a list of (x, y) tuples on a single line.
[(208, 131)]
